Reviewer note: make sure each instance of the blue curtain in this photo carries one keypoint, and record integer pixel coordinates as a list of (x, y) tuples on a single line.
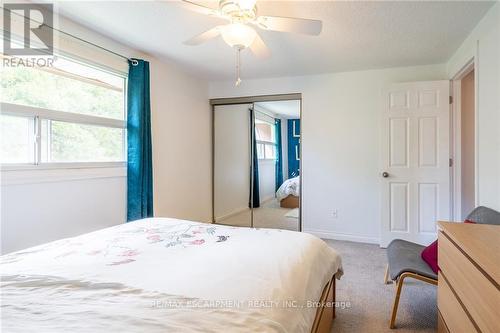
[(139, 155), (279, 153), (293, 147), (255, 194)]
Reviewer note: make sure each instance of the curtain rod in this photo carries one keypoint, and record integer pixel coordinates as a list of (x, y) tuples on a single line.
[(265, 113), (41, 25)]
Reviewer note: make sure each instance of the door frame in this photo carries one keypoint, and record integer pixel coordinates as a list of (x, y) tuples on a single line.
[(250, 100), (456, 140)]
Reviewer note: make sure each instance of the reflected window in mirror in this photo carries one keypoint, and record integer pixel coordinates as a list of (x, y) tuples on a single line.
[(266, 140)]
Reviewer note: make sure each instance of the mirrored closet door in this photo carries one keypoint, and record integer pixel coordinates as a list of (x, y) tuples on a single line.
[(277, 136), (232, 139), (257, 164)]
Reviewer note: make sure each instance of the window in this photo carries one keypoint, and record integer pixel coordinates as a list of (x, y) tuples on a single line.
[(266, 140), (69, 113), (18, 134)]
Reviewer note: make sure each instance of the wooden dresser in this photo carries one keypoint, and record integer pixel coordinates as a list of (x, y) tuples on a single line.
[(469, 278)]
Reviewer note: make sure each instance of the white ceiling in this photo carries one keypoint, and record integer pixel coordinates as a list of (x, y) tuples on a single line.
[(286, 109), (356, 35)]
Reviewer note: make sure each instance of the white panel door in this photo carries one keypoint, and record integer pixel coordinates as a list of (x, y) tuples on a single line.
[(415, 161)]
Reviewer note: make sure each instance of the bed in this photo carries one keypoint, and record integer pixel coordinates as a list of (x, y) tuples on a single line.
[(169, 275), (288, 193)]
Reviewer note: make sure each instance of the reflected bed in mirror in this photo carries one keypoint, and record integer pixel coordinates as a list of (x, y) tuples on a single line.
[(257, 164)]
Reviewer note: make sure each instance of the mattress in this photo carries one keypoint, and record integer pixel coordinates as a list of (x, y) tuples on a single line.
[(168, 275)]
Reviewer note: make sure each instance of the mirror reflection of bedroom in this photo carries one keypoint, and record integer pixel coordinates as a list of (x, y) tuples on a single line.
[(257, 164)]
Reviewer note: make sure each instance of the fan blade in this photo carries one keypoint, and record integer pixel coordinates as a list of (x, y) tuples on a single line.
[(259, 48), (199, 8), (203, 37), (290, 24)]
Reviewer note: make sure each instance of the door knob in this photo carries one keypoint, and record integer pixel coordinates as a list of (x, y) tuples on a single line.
[(385, 174)]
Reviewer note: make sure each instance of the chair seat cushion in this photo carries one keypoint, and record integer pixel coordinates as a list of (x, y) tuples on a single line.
[(404, 256)]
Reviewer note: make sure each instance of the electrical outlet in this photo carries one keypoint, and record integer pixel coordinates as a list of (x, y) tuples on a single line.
[(335, 214)]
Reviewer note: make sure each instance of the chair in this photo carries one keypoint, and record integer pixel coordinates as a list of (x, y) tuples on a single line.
[(404, 258)]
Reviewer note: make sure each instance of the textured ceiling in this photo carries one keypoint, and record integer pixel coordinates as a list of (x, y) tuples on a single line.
[(356, 35), (286, 109)]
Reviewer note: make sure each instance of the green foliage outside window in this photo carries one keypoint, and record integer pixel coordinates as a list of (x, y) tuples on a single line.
[(61, 141)]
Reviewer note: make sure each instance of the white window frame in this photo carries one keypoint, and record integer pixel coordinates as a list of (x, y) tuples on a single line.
[(268, 143), (39, 114)]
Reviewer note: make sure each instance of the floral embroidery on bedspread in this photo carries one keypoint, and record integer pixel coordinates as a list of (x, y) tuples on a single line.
[(192, 235), (122, 248)]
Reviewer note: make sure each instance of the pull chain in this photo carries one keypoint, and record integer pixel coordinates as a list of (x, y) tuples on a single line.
[(238, 66)]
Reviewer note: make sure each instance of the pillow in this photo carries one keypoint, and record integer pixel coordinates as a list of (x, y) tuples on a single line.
[(430, 253), (430, 256)]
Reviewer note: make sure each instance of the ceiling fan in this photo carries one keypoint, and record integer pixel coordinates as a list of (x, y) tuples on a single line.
[(240, 34)]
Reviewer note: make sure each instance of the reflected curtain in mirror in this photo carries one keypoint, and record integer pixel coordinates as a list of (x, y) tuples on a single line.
[(279, 154), (293, 148), (254, 201)]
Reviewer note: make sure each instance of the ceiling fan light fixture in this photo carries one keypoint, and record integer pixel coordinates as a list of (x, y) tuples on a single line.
[(238, 10), (238, 35), (247, 4)]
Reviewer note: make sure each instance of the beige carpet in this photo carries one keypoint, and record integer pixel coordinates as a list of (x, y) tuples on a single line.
[(269, 215), (371, 301)]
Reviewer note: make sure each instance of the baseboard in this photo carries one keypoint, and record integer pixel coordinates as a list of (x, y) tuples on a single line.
[(341, 236), (266, 200), (231, 214)]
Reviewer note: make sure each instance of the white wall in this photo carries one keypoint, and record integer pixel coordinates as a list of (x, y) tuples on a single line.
[(483, 44), (182, 143), (40, 206), (53, 207), (267, 179), (340, 138)]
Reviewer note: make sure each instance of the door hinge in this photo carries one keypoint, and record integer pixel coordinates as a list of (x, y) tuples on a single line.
[(451, 99), (450, 163)]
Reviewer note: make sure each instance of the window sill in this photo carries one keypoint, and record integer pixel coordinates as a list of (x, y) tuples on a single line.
[(267, 160), (33, 174)]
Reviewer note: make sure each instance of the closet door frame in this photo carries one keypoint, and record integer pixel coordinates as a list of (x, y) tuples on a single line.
[(251, 100)]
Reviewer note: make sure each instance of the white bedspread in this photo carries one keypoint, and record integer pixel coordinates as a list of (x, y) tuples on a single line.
[(167, 275), (289, 187)]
